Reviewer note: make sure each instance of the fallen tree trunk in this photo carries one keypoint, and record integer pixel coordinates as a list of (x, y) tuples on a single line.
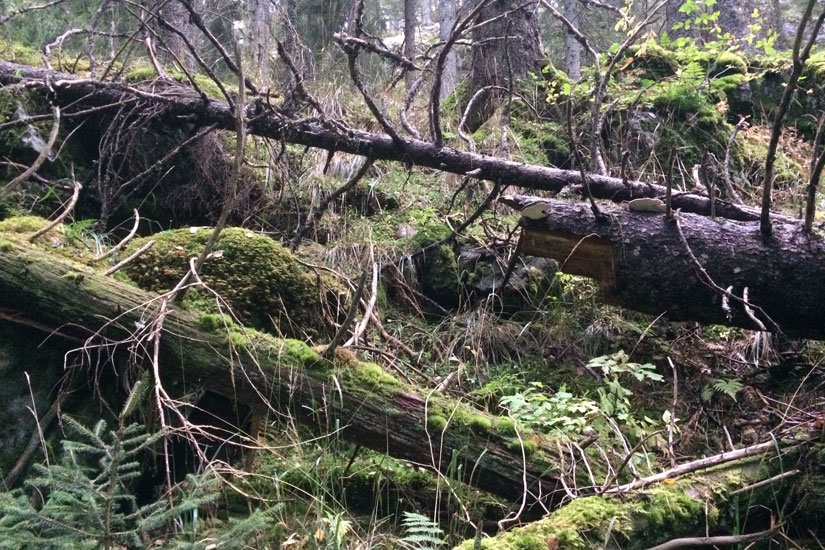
[(369, 406), (184, 105), (695, 507), (683, 268)]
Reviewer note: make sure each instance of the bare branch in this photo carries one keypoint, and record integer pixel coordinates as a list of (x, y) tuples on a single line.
[(26, 9), (120, 265), (123, 242), (62, 216), (690, 542), (41, 157), (198, 21)]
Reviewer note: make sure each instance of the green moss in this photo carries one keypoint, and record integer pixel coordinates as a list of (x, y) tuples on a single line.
[(815, 67), (654, 61), (526, 541), (436, 422), (238, 339), (22, 224), (729, 62), (671, 510), (539, 142), (6, 246), (481, 424), (529, 446), (204, 82), (579, 525), (262, 282), (212, 322), (19, 53), (140, 73), (301, 354), (505, 426), (429, 232), (375, 374), (440, 275), (726, 84)]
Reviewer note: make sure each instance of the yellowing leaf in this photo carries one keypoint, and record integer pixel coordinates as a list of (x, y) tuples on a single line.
[(626, 63)]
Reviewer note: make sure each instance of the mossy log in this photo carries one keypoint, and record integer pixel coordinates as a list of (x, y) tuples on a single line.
[(185, 105), (694, 506), (691, 268), (363, 402)]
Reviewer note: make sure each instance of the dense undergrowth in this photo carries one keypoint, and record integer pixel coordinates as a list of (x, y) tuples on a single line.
[(542, 354)]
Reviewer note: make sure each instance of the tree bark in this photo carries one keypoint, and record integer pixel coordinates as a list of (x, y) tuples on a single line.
[(449, 76), (648, 263), (390, 417), (175, 15), (426, 13), (778, 25), (409, 37), (572, 47), (183, 106), (261, 27), (734, 17), (505, 49)]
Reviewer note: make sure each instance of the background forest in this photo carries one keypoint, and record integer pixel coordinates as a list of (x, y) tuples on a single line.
[(350, 274)]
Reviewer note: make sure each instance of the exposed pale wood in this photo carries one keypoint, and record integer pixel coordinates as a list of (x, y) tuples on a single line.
[(643, 264)]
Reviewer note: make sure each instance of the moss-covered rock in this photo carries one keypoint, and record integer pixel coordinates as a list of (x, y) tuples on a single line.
[(653, 60), (262, 282)]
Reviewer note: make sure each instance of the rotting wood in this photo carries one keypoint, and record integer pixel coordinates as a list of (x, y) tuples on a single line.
[(371, 409)]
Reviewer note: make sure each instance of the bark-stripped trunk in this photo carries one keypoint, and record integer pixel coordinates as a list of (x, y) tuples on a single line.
[(650, 264), (260, 25)]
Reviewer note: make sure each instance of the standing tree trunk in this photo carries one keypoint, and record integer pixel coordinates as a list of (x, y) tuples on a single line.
[(299, 53), (572, 48), (175, 14), (504, 50), (734, 17), (426, 15), (409, 37), (672, 17), (778, 25), (449, 76), (261, 30)]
